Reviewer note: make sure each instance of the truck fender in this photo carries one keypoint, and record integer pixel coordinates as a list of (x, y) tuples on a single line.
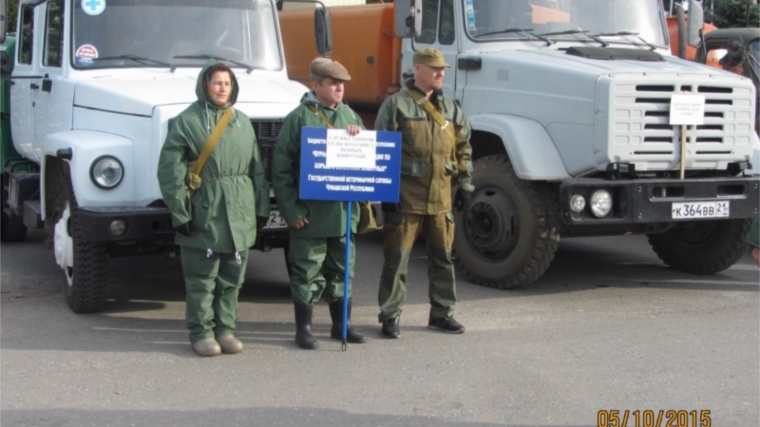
[(530, 148), (87, 146)]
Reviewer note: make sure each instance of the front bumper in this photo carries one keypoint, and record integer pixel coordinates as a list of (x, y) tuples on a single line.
[(148, 224), (651, 201)]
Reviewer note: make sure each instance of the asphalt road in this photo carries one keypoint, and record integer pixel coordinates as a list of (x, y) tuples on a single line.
[(608, 327)]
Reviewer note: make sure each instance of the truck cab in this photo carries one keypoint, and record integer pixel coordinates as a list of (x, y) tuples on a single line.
[(93, 92)]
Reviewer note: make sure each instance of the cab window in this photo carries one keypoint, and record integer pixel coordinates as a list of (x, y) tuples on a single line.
[(446, 29), (27, 34), (429, 21), (53, 34)]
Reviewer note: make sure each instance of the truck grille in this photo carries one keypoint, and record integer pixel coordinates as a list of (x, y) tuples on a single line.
[(267, 132), (640, 133)]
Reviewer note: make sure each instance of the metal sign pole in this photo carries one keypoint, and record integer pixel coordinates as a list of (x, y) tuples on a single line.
[(683, 151), (346, 275)]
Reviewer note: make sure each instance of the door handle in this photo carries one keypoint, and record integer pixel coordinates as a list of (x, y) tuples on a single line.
[(34, 86)]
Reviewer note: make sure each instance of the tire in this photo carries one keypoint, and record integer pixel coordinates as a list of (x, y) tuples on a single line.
[(12, 228), (84, 263), (509, 234), (56, 188), (702, 247)]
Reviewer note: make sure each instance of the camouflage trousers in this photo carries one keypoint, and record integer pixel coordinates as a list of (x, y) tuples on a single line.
[(400, 232)]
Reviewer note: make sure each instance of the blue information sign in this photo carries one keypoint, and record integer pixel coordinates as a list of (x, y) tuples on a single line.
[(339, 167)]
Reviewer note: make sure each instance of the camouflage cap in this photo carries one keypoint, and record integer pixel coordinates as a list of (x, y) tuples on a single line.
[(326, 67), (431, 57)]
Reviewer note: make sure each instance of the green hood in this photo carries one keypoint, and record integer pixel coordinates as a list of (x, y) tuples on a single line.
[(202, 92)]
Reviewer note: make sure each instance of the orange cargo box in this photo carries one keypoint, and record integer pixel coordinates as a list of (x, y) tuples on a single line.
[(363, 41)]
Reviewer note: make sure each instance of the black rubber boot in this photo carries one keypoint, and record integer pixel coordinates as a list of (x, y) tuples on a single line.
[(304, 338), (336, 313)]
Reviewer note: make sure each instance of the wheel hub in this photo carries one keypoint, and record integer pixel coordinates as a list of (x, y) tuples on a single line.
[(695, 232), (492, 224), (64, 244)]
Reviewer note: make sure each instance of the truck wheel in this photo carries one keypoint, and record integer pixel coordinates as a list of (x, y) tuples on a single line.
[(84, 263), (12, 228), (702, 247), (508, 236)]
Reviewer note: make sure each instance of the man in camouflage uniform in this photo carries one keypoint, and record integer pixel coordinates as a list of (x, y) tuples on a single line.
[(435, 155), (317, 228)]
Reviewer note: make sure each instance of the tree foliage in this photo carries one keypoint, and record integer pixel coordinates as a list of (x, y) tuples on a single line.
[(732, 14), (12, 13)]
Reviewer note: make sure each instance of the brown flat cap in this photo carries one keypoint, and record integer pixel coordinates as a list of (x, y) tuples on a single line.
[(431, 57), (326, 67)]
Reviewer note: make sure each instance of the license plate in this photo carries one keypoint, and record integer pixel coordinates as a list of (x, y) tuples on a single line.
[(275, 220), (700, 210)]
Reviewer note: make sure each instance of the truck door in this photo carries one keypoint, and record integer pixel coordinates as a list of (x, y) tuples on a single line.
[(439, 32), (54, 99), (24, 84)]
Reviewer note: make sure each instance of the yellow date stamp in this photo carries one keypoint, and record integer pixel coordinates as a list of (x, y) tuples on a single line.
[(650, 418)]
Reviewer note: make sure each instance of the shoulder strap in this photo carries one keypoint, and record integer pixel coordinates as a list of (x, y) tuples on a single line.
[(212, 140), (321, 115), (433, 112)]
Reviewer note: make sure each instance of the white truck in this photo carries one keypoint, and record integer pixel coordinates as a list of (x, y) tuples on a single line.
[(94, 85), (570, 104)]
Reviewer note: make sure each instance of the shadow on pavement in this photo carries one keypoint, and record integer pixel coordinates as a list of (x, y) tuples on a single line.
[(139, 284), (270, 417)]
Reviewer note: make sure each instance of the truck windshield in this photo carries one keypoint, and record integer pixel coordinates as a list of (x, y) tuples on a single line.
[(153, 33), (487, 20)]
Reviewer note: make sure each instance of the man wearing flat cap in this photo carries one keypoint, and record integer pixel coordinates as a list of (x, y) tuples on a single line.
[(317, 228), (435, 157)]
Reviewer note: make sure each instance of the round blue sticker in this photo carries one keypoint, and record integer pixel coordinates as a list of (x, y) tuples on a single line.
[(93, 7)]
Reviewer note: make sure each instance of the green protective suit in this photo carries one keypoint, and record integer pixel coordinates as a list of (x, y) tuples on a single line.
[(223, 210), (316, 250), (431, 164)]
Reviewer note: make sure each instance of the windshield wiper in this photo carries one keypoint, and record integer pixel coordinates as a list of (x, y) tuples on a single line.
[(518, 30), (248, 67), (140, 59), (628, 33), (584, 32)]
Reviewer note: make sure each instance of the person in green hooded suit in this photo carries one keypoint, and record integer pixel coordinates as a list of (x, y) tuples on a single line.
[(215, 224)]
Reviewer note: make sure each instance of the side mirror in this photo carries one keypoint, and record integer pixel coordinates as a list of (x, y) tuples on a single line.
[(403, 9), (3, 19), (417, 18), (695, 22), (323, 30)]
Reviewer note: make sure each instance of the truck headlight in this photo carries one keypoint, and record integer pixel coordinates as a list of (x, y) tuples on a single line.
[(601, 203), (106, 172), (577, 203)]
